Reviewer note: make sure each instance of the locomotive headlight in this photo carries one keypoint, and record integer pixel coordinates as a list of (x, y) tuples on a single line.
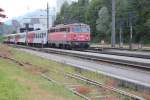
[(87, 37), (74, 37)]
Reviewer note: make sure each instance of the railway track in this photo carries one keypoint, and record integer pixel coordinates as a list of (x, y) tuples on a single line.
[(95, 88), (85, 55), (120, 52)]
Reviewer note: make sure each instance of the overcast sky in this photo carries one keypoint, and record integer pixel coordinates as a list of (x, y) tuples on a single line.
[(14, 8)]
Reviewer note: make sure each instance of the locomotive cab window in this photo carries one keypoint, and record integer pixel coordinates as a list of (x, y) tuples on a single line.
[(80, 29)]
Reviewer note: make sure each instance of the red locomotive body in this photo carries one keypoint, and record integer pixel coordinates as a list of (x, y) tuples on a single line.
[(69, 36)]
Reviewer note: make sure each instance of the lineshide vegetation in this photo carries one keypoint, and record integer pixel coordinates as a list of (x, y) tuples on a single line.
[(97, 13)]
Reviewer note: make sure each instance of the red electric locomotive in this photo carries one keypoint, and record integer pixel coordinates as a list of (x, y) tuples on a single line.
[(63, 36), (69, 36)]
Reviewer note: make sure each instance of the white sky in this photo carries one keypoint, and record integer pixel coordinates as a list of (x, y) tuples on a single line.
[(14, 8)]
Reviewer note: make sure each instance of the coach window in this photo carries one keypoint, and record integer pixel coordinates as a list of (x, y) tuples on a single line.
[(57, 30), (42, 35), (52, 30), (63, 29), (68, 29), (37, 36)]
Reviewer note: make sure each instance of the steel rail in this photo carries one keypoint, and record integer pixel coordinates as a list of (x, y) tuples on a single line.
[(106, 87), (117, 53)]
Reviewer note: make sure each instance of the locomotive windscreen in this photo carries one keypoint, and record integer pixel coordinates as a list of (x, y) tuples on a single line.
[(81, 29)]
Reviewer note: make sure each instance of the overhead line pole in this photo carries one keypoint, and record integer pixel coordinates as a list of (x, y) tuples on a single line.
[(131, 29), (47, 20), (113, 34), (121, 24)]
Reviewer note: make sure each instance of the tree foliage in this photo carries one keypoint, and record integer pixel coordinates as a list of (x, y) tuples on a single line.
[(103, 22), (94, 13)]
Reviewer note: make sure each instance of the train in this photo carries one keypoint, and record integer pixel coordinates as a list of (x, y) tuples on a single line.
[(67, 36)]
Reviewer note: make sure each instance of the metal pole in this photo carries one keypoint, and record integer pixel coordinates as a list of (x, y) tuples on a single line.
[(121, 23), (121, 31), (27, 27), (113, 37), (131, 33), (47, 20), (131, 30)]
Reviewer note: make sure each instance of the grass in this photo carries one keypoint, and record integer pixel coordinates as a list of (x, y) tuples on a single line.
[(16, 83), (10, 89)]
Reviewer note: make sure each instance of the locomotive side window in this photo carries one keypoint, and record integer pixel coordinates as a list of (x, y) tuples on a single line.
[(85, 29)]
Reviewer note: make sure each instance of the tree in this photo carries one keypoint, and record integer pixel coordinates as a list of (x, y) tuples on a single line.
[(92, 15), (140, 9), (103, 22), (2, 15), (63, 15)]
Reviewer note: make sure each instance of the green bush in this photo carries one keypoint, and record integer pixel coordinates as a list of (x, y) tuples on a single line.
[(1, 38)]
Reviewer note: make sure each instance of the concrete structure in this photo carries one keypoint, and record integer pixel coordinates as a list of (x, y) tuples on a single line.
[(38, 18)]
